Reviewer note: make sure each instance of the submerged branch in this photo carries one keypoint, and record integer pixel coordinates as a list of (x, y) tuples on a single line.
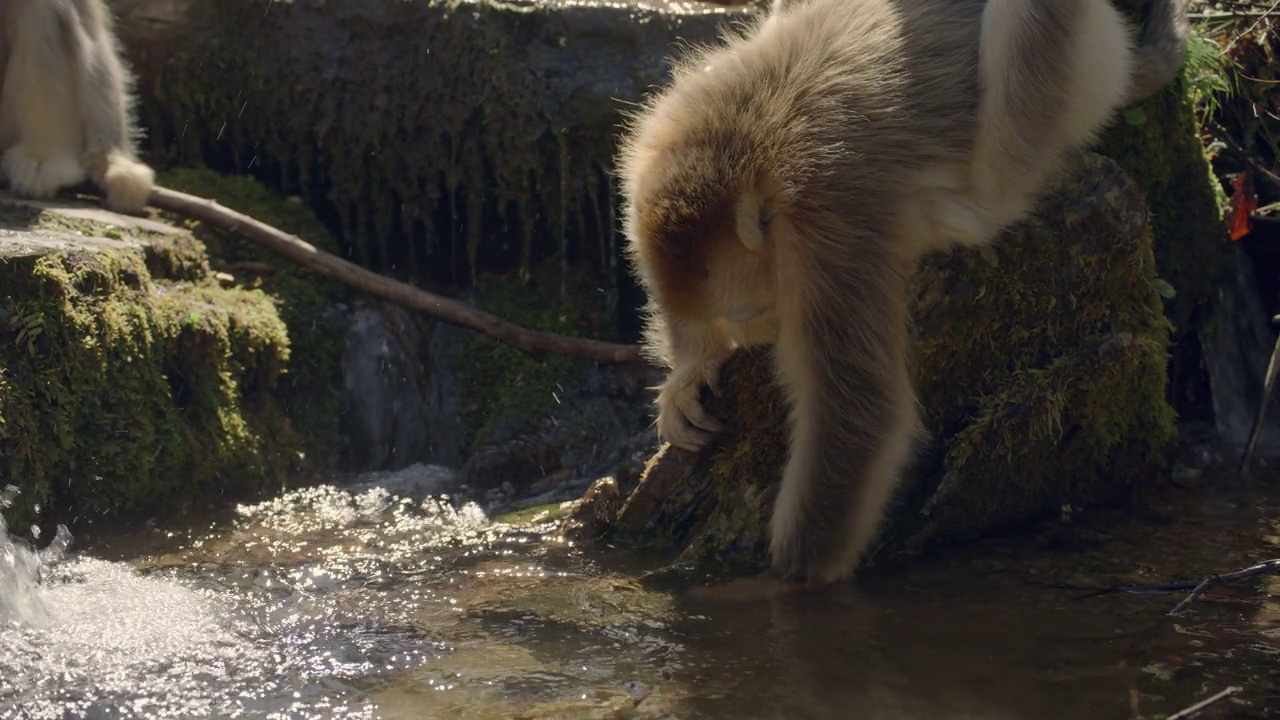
[(1268, 387), (1194, 709), (454, 312), (1266, 567), (1196, 587)]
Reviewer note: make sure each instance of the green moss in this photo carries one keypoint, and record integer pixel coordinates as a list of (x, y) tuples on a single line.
[(1164, 154), (1050, 386), (1158, 144), (251, 197), (13, 215), (132, 378), (545, 512), (309, 388), (483, 148), (500, 383), (178, 257), (123, 394)]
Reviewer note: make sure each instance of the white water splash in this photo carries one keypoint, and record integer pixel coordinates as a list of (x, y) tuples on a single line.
[(227, 637), (20, 569)]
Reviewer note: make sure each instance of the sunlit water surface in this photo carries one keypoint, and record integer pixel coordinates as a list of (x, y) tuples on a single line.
[(329, 604)]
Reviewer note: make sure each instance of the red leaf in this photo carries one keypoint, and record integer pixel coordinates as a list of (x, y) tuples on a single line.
[(1243, 202)]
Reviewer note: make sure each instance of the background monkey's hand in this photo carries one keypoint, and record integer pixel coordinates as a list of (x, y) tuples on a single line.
[(682, 421)]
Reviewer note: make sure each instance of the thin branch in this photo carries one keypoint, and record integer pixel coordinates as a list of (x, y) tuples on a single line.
[(1267, 567), (1226, 138), (1192, 710), (1197, 587), (1201, 588), (1268, 387), (454, 312)]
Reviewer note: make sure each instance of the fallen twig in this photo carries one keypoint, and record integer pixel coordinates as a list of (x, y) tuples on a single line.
[(1196, 587), (1201, 588), (1268, 386), (454, 312), (1263, 568), (1244, 155), (1192, 710)]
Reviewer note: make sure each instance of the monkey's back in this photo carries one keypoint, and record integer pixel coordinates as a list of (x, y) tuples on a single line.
[(864, 93)]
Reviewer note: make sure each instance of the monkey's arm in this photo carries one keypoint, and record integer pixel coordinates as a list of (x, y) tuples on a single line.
[(842, 359), (695, 352), (1163, 49)]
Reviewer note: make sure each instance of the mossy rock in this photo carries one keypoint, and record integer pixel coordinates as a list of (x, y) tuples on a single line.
[(504, 386), (135, 378), (308, 304), (445, 138), (527, 420), (1040, 368)]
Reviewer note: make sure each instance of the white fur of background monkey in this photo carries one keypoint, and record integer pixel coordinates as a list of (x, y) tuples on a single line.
[(783, 187), (66, 103)]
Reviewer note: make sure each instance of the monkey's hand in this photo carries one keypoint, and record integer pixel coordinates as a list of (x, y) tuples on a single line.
[(954, 219), (682, 421)]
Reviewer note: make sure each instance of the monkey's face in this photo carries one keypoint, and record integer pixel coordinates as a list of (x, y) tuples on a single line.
[(708, 260)]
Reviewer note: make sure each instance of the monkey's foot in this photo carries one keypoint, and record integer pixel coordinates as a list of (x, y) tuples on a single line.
[(810, 573), (127, 184), (764, 586), (682, 421), (37, 175), (797, 560)]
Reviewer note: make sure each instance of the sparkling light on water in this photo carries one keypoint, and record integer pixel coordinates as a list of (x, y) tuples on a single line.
[(231, 638)]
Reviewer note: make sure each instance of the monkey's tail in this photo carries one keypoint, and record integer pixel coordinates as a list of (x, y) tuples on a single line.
[(125, 182), (1162, 50)]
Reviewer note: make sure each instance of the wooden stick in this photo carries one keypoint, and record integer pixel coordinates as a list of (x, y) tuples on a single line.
[(1268, 387), (454, 312), (1191, 711), (1197, 587), (1267, 567)]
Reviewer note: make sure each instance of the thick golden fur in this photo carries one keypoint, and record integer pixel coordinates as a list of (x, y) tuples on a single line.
[(783, 187), (66, 103)]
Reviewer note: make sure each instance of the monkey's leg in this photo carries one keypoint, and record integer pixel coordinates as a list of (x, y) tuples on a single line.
[(696, 354), (106, 115), (841, 357), (1163, 50), (1051, 74), (39, 102)]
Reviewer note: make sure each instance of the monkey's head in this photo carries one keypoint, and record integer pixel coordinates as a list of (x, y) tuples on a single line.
[(703, 231)]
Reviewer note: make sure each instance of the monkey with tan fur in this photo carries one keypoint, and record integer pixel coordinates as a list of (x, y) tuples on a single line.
[(66, 103), (783, 187)]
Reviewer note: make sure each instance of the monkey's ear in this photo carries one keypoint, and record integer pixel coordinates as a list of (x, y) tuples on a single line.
[(751, 221)]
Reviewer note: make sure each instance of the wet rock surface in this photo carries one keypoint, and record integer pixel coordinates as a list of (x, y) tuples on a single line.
[(591, 429), (400, 398), (594, 514)]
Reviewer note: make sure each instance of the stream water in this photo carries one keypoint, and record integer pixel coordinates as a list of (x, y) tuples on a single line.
[(327, 603)]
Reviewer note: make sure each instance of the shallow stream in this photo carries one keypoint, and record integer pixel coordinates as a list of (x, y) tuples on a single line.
[(324, 603)]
